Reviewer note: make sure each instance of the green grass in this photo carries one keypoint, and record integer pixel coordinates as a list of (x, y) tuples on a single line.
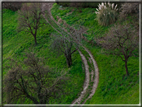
[(112, 80), (113, 85), (15, 44)]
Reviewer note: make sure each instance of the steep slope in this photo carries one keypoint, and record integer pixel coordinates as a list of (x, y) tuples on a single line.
[(113, 85), (15, 44), (112, 80), (46, 10)]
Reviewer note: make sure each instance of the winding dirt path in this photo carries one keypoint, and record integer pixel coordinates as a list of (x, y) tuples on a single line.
[(46, 8), (96, 79), (86, 82)]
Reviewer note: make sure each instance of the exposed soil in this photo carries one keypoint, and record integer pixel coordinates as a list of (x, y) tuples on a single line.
[(86, 82), (46, 7), (96, 79)]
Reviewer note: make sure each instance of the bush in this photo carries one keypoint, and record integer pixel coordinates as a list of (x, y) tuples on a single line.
[(81, 4), (12, 6), (106, 14)]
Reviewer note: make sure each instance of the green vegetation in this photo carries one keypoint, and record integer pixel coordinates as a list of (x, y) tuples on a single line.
[(15, 44), (113, 83), (83, 4), (107, 14), (114, 86)]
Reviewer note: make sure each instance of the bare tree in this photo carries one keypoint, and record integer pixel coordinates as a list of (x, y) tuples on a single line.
[(65, 30), (69, 33), (121, 40), (29, 18), (31, 82), (62, 45), (65, 44), (130, 9)]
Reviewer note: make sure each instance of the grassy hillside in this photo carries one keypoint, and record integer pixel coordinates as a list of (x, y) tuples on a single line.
[(113, 85), (15, 44)]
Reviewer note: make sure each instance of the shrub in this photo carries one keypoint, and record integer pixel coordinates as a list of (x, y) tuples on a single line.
[(12, 6), (106, 14), (80, 4)]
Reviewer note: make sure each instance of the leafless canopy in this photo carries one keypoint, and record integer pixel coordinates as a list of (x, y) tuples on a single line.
[(129, 8), (65, 43), (29, 18), (33, 81), (121, 40)]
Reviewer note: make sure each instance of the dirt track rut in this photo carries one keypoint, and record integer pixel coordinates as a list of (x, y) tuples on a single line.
[(86, 82), (46, 7)]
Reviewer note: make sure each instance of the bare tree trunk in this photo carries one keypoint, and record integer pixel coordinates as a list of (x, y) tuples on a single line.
[(126, 67), (69, 60), (35, 39)]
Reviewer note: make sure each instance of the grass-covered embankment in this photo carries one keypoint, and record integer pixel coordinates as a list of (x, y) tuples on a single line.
[(15, 44), (113, 86)]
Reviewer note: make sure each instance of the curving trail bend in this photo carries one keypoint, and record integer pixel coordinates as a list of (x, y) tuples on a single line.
[(86, 82), (96, 79), (46, 8)]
